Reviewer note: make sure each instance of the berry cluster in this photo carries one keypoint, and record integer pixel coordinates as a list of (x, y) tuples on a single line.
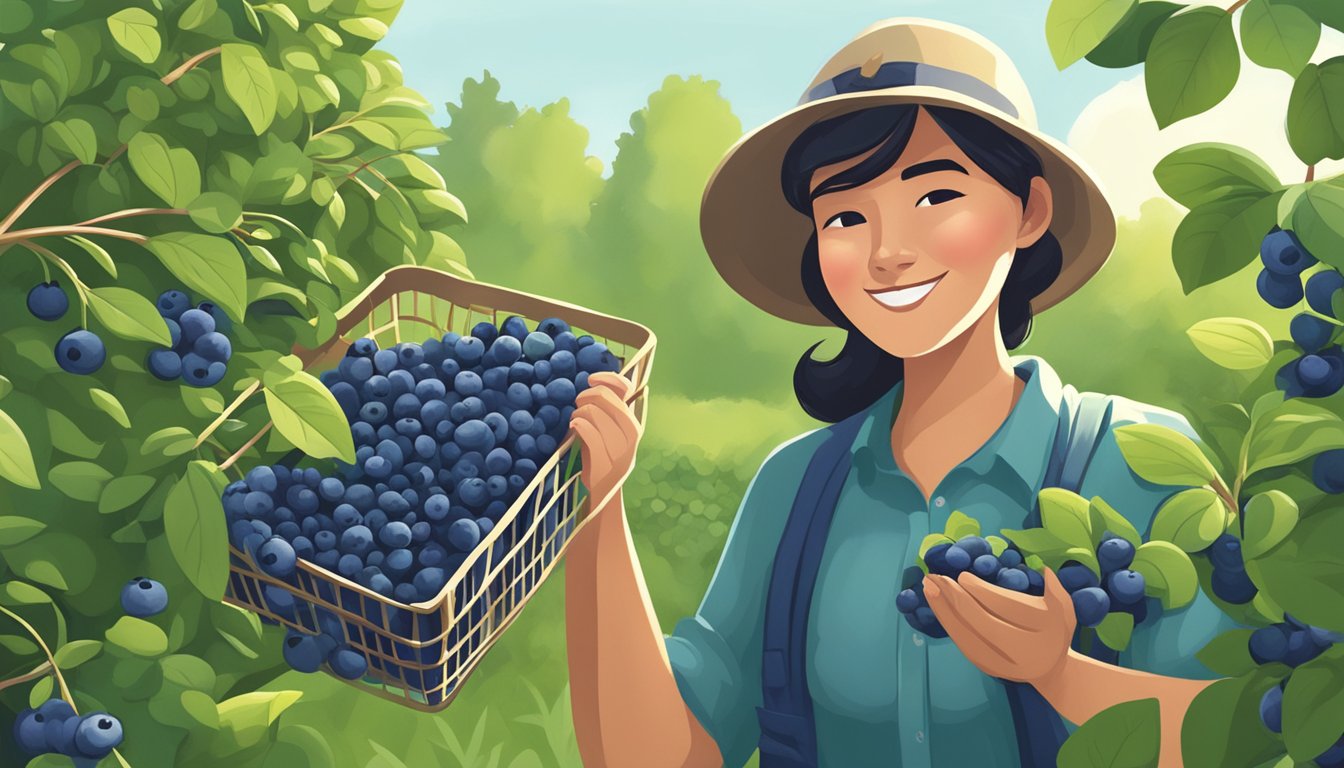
[(1319, 371), (1293, 643), (1231, 583), (306, 652), (200, 351), (1117, 589), (55, 728), (976, 555)]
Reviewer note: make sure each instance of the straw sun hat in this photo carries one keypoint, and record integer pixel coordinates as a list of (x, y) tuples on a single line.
[(756, 240)]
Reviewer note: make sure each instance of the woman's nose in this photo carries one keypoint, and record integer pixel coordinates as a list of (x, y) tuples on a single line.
[(886, 262)]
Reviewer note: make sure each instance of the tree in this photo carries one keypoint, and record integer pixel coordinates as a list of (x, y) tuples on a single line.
[(259, 157)]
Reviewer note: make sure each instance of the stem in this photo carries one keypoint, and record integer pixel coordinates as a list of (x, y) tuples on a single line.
[(81, 290), (187, 65), (129, 212), (279, 219), (65, 692), (1311, 172), (210, 430), (27, 234), (1237, 5), (239, 453), (41, 670)]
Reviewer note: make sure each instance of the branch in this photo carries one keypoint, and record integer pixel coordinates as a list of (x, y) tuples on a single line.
[(239, 453), (1237, 5), (224, 415), (41, 670), (129, 212), (27, 234), (65, 692), (1311, 173), (187, 65)]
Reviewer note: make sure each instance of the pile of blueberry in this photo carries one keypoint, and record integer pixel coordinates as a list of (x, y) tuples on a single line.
[(1231, 583), (200, 351), (448, 433), (1319, 371), (78, 351), (1293, 643), (973, 554), (55, 728)]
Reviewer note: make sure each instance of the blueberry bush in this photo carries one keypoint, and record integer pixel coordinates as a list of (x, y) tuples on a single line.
[(190, 188), (1259, 525)]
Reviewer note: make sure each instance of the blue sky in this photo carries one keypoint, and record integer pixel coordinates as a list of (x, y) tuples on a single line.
[(608, 56)]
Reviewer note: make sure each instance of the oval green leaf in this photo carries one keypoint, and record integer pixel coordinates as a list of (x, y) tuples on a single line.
[(1123, 736), (248, 82), (1313, 705), (1278, 35), (1192, 519), (137, 636), (109, 404), (137, 32), (1210, 172), (16, 457), (207, 264), (128, 315), (80, 480), (1268, 519), (194, 523), (1193, 63), (1168, 572), (307, 415), (1316, 112), (1232, 342), (1163, 455), (169, 172)]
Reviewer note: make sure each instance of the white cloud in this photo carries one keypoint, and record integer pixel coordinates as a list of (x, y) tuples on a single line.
[(1118, 138)]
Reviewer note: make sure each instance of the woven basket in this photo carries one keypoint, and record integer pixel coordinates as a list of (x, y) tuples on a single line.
[(420, 654)]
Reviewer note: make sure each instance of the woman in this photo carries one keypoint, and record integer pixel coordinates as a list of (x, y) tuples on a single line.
[(911, 201)]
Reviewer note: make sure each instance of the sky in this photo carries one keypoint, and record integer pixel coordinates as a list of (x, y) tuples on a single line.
[(607, 56)]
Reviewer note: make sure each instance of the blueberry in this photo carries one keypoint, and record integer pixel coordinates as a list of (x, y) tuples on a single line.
[(348, 663), (381, 584), (436, 507), (430, 390), (1114, 554), (1310, 332), (566, 341), (356, 540), (277, 558), (395, 535), (331, 489), (195, 324), (449, 369), (407, 405), (585, 341), (1091, 604), (81, 352), (1332, 757), (1313, 370), (553, 326), (410, 355), (1281, 252), (1268, 644), (486, 332), (1225, 553), (1271, 709), (464, 535), (362, 347), (376, 387), (142, 597), (1320, 291), (596, 358), (986, 567), (1011, 578), (1233, 586), (301, 500), (560, 392), (97, 735), (172, 304), (213, 346), (385, 361), (164, 364), (469, 350), (29, 733), (474, 435), (468, 383), (302, 652), (506, 351), (1125, 586), (542, 372), (538, 346), (346, 516), (907, 601), (1010, 558), (47, 301), (408, 426), (935, 558), (1300, 648), (975, 546), (498, 425), (199, 372), (473, 491), (398, 562), (429, 581)]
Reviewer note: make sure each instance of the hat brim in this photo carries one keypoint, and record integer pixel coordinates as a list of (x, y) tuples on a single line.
[(755, 239)]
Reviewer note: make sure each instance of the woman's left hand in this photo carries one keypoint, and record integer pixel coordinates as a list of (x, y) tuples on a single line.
[(1006, 634)]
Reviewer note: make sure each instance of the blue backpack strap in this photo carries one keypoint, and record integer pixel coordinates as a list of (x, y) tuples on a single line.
[(1083, 420), (788, 730)]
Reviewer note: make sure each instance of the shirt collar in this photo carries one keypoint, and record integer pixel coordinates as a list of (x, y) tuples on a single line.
[(1022, 442)]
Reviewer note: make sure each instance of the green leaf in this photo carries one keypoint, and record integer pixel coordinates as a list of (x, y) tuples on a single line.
[(1290, 432), (98, 252), (76, 652), (306, 414), (18, 646), (41, 691), (80, 480), (931, 540), (215, 212), (1115, 629), (6, 386), (1075, 27), (248, 82), (1222, 726), (960, 524), (188, 671), (1034, 541), (1218, 240), (1193, 63), (1209, 172), (1122, 736), (124, 491), (197, 14), (1162, 455), (1128, 43), (170, 441), (201, 708), (1268, 519), (169, 172), (137, 636), (136, 31), (18, 593), (1313, 705), (1316, 112), (202, 402), (1327, 12), (1115, 522), (193, 521), (44, 572), (109, 404), (1065, 514), (1228, 654), (207, 264), (128, 315), (250, 715), (1233, 342), (1278, 35), (371, 29), (1316, 216), (16, 530), (997, 544), (1305, 572), (16, 458), (1192, 519), (73, 136), (1168, 573)]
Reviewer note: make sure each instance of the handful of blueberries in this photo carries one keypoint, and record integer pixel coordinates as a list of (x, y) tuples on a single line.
[(200, 351), (55, 728)]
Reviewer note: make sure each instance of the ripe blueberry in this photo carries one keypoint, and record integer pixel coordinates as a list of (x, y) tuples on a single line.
[(142, 597), (81, 352), (47, 301)]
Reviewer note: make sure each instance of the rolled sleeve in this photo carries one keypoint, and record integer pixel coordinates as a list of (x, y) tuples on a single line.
[(1167, 644), (716, 653)]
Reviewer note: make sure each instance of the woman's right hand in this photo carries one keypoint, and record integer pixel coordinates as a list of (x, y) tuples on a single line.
[(609, 435)]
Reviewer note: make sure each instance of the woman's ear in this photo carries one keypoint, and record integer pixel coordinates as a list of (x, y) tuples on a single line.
[(1036, 214)]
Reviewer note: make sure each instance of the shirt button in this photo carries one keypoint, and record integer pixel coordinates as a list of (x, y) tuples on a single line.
[(938, 501), (919, 736), (918, 639)]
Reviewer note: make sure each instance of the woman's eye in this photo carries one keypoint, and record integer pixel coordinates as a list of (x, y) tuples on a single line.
[(938, 196), (845, 219)]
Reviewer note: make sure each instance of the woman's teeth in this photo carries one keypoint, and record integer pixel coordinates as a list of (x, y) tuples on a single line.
[(904, 297)]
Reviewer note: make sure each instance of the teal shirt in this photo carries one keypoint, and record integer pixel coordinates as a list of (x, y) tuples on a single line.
[(883, 694)]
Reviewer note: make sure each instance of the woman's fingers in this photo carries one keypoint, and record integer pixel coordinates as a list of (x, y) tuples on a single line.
[(1018, 609), (963, 625), (608, 402), (618, 384), (589, 440), (1057, 597)]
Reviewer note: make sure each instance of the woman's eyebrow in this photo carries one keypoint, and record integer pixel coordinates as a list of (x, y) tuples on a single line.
[(931, 166)]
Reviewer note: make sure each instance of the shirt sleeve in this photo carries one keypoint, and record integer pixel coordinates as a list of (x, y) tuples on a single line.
[(1167, 644), (716, 653)]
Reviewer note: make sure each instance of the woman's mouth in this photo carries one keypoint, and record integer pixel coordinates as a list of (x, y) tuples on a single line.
[(906, 297)]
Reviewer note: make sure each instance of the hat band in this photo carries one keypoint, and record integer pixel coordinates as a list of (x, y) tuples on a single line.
[(898, 74)]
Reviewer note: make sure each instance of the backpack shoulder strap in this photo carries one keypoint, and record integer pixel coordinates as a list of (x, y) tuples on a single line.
[(788, 730)]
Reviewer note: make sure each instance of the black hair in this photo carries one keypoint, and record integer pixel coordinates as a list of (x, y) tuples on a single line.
[(831, 390)]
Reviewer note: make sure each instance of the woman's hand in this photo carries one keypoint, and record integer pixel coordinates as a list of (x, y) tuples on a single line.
[(609, 433), (1006, 634)]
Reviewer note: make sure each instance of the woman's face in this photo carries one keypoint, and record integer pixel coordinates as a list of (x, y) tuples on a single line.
[(916, 256)]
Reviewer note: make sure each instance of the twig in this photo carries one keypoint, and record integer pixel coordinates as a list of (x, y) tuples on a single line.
[(1237, 5), (239, 453), (1311, 172), (41, 670), (129, 212), (28, 234), (173, 76), (65, 692), (210, 430)]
